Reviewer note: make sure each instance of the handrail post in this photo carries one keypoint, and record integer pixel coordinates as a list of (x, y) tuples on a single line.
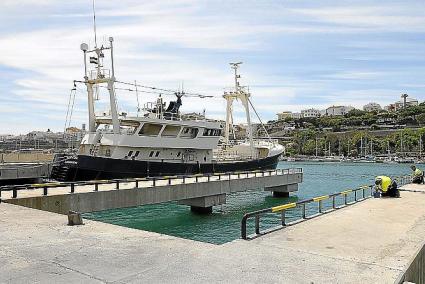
[(304, 213), (169, 181), (72, 187), (283, 216), (96, 187), (153, 181), (355, 195), (117, 186), (243, 227), (364, 189), (137, 183), (333, 202), (184, 179), (345, 199), (14, 193), (45, 190), (320, 206), (257, 224)]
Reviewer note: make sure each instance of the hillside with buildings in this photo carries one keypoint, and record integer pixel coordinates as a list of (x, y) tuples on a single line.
[(397, 129)]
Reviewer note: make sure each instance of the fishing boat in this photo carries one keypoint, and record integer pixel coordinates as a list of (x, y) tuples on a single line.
[(160, 140)]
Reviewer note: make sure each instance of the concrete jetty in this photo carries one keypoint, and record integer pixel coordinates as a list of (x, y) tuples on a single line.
[(369, 242), (200, 192), (13, 173)]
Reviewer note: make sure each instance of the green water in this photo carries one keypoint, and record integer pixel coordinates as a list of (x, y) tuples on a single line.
[(223, 225)]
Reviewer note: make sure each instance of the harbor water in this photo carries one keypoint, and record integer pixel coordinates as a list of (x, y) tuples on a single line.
[(223, 225)]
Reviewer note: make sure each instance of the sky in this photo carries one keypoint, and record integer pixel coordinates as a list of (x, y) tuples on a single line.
[(296, 54)]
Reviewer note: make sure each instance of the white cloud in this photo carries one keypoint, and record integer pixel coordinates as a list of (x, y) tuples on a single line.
[(165, 44)]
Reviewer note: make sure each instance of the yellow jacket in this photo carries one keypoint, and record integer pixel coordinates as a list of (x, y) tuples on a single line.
[(417, 173), (386, 182)]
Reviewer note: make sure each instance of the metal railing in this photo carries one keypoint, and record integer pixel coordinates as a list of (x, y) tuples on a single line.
[(153, 181), (356, 195)]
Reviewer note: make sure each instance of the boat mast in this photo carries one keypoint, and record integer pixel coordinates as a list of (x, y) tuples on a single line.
[(101, 76), (238, 93)]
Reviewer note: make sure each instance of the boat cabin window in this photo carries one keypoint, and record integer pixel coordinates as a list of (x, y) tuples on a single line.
[(211, 132), (151, 153), (170, 131), (189, 132), (137, 154), (150, 129), (157, 154)]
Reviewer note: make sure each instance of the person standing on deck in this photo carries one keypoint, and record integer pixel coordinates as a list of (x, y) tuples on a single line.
[(386, 186), (418, 175)]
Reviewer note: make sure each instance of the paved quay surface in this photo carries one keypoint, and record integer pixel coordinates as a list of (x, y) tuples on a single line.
[(369, 242)]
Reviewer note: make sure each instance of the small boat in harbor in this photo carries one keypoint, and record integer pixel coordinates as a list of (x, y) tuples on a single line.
[(159, 140)]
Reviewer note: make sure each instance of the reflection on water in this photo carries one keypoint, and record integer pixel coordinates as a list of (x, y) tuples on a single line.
[(223, 225)]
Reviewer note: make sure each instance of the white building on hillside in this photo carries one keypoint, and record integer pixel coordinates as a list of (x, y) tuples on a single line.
[(311, 112), (372, 107), (296, 115), (338, 110), (284, 114), (409, 102)]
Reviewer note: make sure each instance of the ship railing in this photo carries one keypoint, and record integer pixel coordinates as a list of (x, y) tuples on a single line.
[(153, 181), (102, 74), (256, 141), (305, 209)]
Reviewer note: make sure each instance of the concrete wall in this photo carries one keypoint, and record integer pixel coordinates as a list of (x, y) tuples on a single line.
[(103, 200), (415, 273), (23, 171), (25, 157)]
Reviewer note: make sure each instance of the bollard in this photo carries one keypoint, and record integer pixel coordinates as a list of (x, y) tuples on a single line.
[(320, 206), (137, 183), (72, 187), (304, 215), (96, 187), (283, 218), (14, 193), (153, 182), (184, 179), (118, 184), (45, 190), (169, 181), (74, 218), (333, 202)]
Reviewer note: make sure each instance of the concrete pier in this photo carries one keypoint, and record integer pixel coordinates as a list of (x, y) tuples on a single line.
[(13, 173), (199, 192), (370, 242)]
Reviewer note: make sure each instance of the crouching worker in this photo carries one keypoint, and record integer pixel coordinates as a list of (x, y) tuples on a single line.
[(418, 175), (386, 186)]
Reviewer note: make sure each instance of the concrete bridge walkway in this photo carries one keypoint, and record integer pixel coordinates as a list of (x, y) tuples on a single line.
[(369, 242)]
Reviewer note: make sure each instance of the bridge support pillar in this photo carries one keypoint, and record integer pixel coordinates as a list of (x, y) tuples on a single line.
[(204, 205), (282, 190)]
